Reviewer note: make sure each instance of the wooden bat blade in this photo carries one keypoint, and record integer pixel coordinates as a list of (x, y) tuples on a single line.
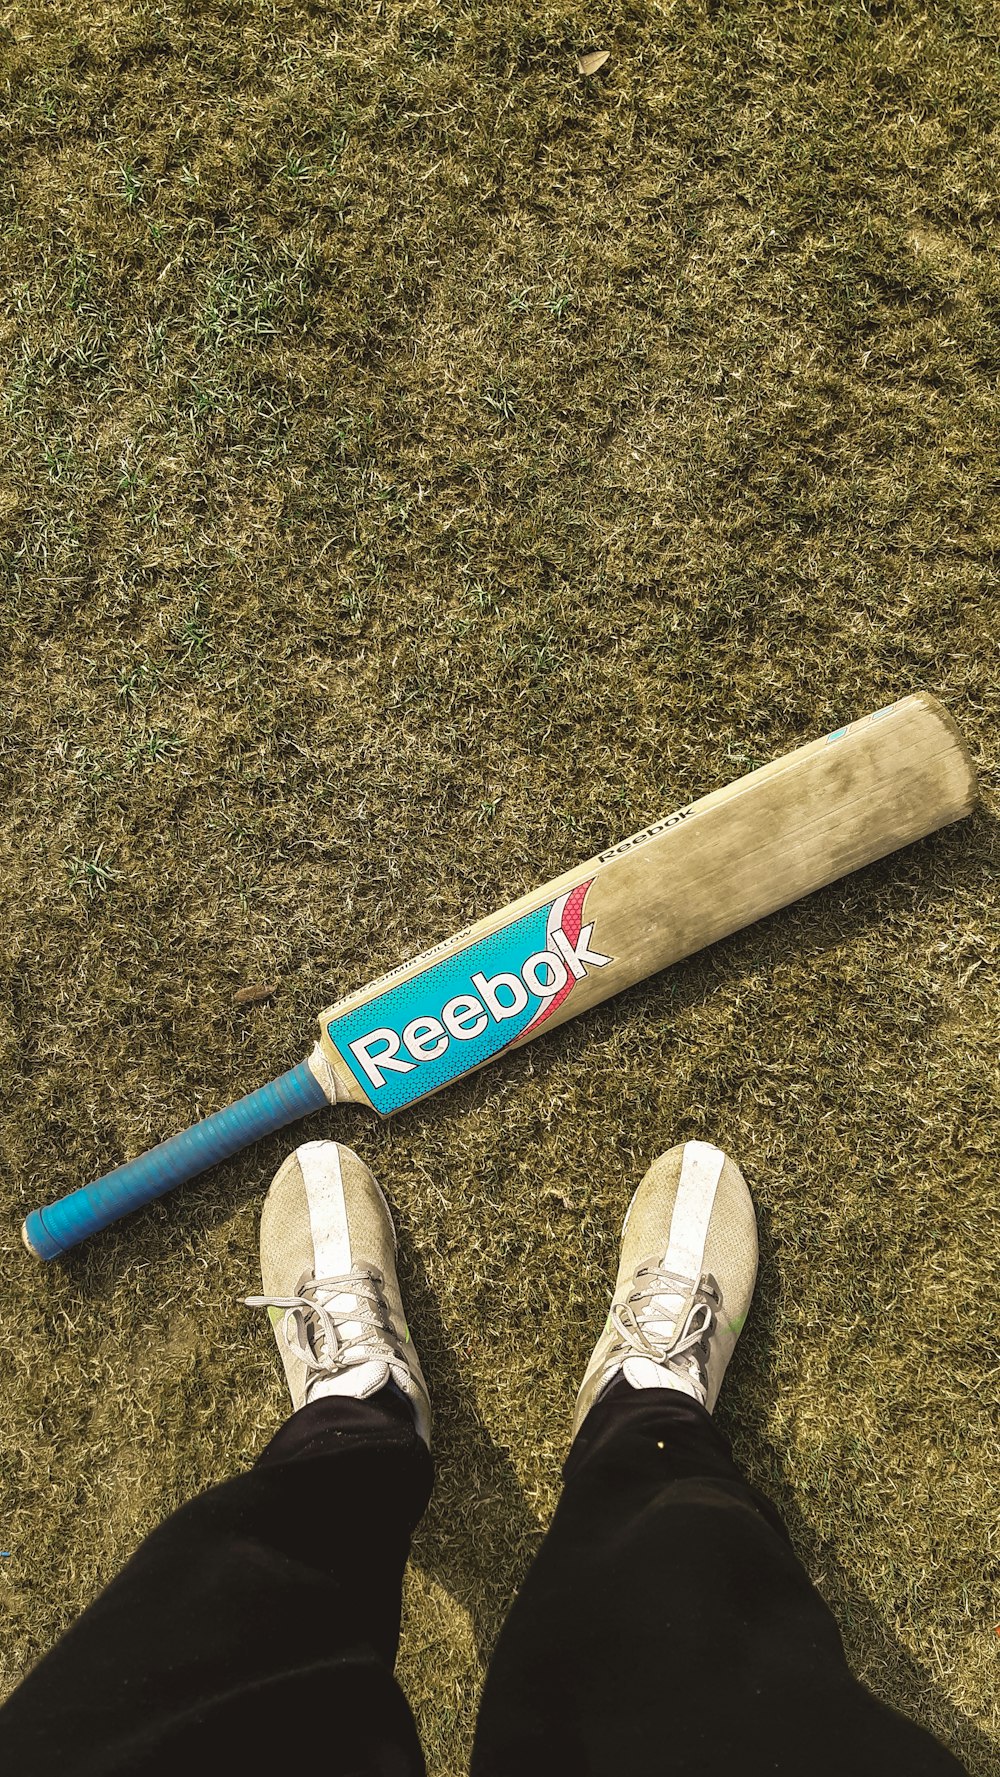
[(701, 873)]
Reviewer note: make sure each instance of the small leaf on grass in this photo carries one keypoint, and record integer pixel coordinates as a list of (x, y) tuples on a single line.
[(252, 996), (593, 60)]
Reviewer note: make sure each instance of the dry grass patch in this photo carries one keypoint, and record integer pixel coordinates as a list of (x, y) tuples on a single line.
[(422, 463)]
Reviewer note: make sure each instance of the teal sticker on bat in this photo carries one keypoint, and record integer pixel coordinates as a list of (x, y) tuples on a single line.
[(457, 1013)]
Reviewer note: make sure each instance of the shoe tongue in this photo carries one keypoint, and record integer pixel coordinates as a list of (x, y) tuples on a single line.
[(358, 1380), (339, 1306), (355, 1379), (642, 1372), (664, 1317), (664, 1314)]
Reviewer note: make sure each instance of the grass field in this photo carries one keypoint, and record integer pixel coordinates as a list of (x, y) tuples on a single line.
[(423, 464)]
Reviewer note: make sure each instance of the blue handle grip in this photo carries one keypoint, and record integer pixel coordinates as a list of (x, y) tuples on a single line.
[(63, 1224)]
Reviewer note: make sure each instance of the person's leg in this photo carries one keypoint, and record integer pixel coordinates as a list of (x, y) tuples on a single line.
[(666, 1622), (261, 1620)]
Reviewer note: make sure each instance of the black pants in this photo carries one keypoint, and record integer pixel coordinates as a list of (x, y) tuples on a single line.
[(665, 1625)]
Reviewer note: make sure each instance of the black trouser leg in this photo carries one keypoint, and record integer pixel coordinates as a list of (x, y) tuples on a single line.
[(667, 1626), (258, 1623)]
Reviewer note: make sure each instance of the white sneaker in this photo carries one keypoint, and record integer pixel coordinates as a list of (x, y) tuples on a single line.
[(686, 1277), (328, 1264)]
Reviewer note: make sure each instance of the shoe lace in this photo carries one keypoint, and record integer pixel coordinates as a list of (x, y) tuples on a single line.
[(670, 1319), (332, 1323)]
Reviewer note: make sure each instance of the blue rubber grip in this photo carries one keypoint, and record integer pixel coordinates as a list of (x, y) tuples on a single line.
[(69, 1220)]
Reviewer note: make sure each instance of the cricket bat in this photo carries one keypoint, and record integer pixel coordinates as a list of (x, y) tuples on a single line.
[(700, 873)]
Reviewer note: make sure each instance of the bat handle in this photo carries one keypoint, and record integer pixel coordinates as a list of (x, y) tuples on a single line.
[(60, 1225)]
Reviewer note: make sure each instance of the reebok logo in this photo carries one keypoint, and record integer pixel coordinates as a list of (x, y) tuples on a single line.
[(459, 1011), (467, 1016)]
